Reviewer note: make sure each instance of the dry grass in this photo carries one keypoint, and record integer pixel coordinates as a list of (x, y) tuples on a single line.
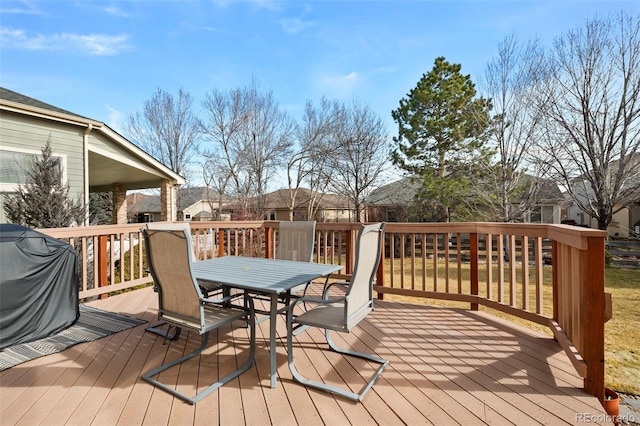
[(622, 333)]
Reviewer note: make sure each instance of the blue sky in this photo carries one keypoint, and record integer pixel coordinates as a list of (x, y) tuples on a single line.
[(103, 59)]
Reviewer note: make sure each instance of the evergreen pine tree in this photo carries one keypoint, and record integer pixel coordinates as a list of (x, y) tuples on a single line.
[(43, 201)]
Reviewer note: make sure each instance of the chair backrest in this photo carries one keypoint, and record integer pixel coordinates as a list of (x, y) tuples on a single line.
[(172, 226), (169, 226), (360, 290), (296, 240), (169, 257)]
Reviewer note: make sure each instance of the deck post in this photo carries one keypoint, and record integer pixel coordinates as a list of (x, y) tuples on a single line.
[(474, 259), (220, 242), (268, 242), (349, 258), (102, 264), (593, 315), (555, 265), (380, 272)]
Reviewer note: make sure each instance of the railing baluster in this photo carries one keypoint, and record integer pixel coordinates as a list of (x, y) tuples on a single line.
[(473, 273), (413, 260), (434, 239), (512, 270), (402, 267), (423, 239), (459, 260), (392, 256), (500, 268), (489, 260), (525, 272), (447, 259)]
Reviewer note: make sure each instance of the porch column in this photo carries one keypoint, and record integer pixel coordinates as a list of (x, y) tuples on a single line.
[(119, 216), (168, 204)]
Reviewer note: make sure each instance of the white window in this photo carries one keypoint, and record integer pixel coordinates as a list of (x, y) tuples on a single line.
[(16, 162), (542, 214), (187, 216)]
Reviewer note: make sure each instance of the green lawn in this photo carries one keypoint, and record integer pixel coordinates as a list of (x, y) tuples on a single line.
[(622, 333)]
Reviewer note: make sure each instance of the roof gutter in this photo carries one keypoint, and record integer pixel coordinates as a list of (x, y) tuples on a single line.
[(47, 114)]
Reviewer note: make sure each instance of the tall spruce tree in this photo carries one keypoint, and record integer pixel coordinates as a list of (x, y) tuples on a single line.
[(442, 130), (43, 201)]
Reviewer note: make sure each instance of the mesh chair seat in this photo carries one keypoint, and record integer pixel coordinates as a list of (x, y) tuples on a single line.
[(214, 317), (324, 316)]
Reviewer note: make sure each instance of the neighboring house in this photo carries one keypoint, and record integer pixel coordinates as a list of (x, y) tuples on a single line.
[(625, 222), (330, 207), (549, 201), (194, 204), (393, 202), (93, 157)]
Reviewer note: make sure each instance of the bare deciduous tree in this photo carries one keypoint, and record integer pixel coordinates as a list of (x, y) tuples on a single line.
[(167, 129), (267, 140), (361, 143), (313, 162), (591, 98), (251, 137), (223, 162), (509, 81)]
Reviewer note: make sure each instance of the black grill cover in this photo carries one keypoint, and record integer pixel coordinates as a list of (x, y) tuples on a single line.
[(38, 285)]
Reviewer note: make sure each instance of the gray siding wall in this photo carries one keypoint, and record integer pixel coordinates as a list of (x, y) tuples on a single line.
[(105, 144), (22, 132)]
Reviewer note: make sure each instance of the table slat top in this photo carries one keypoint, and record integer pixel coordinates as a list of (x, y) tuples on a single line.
[(258, 274)]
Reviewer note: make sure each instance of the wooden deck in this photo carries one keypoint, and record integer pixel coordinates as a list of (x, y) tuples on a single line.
[(447, 367)]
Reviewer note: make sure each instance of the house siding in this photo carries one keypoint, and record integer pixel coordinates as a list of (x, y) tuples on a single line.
[(103, 143), (30, 133)]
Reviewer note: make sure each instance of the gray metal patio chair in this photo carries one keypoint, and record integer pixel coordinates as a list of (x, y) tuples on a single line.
[(343, 313), (207, 288), (182, 303)]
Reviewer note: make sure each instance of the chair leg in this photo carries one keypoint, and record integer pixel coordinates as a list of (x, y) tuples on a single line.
[(192, 400), (156, 329), (323, 386)]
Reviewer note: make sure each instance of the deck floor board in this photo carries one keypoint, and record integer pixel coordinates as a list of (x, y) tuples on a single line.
[(447, 366)]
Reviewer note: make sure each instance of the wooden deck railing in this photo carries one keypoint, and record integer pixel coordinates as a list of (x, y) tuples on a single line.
[(549, 274)]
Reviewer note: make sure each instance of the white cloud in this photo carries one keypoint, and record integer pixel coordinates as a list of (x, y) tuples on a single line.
[(267, 4), (93, 44), (212, 29), (116, 118), (116, 11), (340, 86), (386, 70), (23, 8), (295, 25)]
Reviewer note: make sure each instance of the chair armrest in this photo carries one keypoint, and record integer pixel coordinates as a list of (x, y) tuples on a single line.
[(327, 287), (319, 301), (220, 301), (344, 283)]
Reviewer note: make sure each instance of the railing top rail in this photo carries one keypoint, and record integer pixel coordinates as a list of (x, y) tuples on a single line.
[(573, 236), (90, 231)]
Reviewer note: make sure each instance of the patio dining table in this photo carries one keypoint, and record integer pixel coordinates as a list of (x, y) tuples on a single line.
[(271, 277)]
